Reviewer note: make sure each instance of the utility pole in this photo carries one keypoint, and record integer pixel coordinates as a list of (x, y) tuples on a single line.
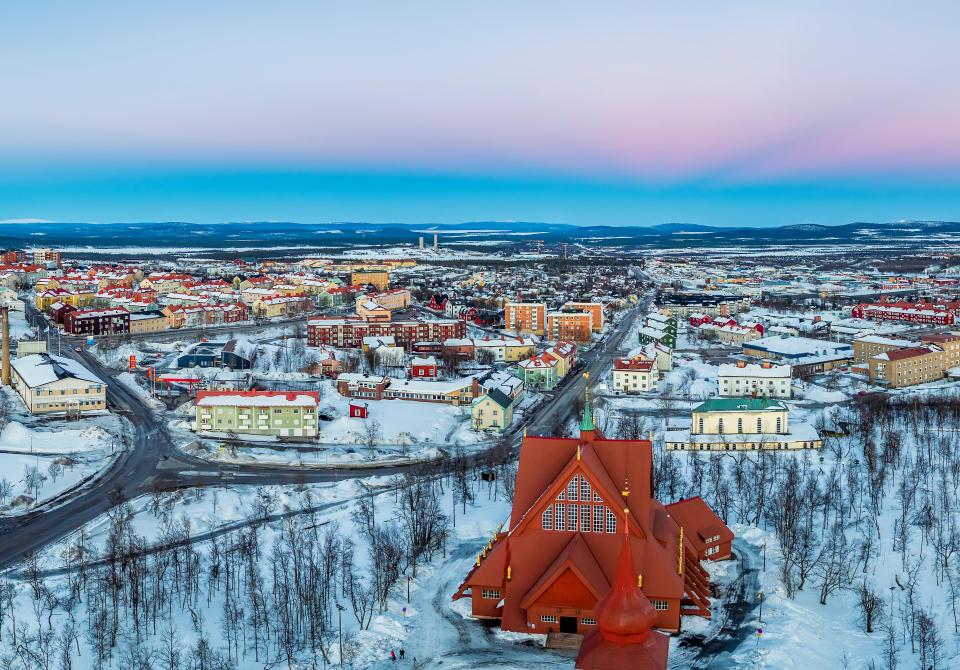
[(340, 609)]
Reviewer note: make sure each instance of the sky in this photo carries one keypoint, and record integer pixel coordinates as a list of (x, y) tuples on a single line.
[(611, 113)]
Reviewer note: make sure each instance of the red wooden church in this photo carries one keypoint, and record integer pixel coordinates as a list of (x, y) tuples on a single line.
[(566, 530)]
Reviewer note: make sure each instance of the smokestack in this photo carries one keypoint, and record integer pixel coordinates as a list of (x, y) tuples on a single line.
[(5, 353), (421, 241), (436, 240)]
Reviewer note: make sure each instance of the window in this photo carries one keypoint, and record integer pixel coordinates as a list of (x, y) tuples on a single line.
[(700, 425), (759, 425), (572, 488), (546, 520), (584, 488), (548, 618), (611, 521), (572, 517), (588, 621), (720, 426), (739, 425), (597, 519), (661, 605), (490, 594), (277, 411), (585, 518), (778, 424), (597, 498), (562, 495), (561, 517)]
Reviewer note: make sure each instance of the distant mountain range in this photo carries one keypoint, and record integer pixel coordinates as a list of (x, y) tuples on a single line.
[(245, 237)]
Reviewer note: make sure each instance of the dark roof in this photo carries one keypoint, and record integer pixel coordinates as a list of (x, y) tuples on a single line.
[(500, 398)]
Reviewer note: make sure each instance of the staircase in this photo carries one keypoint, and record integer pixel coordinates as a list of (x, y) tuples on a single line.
[(563, 640)]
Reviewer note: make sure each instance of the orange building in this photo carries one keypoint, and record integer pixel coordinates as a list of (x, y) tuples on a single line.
[(575, 326), (570, 513), (378, 278), (525, 317), (594, 309)]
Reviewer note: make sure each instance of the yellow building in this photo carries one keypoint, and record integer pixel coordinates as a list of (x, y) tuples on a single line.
[(378, 278), (51, 384), (744, 424), (493, 411)]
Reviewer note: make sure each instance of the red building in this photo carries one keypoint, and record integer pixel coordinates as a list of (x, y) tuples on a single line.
[(359, 409), (574, 499), (111, 321), (350, 332), (623, 638), (58, 310), (423, 368), (712, 539), (942, 314)]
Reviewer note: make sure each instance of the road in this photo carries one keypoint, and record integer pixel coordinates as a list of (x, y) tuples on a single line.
[(152, 463)]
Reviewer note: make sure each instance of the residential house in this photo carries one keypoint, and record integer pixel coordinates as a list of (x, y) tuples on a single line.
[(275, 413), (52, 384)]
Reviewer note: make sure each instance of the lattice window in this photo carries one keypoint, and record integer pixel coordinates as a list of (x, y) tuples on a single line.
[(572, 488), (490, 594), (588, 621), (571, 517), (546, 520), (585, 518), (597, 498), (548, 618), (562, 495), (661, 605), (598, 519), (561, 517), (584, 488), (611, 521)]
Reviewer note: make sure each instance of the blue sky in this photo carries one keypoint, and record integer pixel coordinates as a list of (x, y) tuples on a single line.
[(642, 113)]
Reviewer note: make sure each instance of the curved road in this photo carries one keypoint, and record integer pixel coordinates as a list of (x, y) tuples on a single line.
[(152, 462)]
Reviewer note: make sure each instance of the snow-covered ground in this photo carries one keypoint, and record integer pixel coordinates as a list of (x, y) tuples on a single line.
[(41, 462)]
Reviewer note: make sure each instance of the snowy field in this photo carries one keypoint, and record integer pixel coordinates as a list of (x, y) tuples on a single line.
[(41, 462)]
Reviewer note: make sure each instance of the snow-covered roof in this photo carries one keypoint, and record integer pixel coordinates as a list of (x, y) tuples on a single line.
[(258, 399), (41, 369), (753, 370)]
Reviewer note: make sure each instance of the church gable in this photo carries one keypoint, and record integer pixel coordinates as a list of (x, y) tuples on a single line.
[(565, 591), (573, 504)]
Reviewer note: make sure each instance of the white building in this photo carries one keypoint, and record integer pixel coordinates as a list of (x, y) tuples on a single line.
[(50, 384), (750, 379), (634, 375)]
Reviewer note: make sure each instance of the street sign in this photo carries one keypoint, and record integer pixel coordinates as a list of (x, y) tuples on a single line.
[(133, 361), (759, 632)]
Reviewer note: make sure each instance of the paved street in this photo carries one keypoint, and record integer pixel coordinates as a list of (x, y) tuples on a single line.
[(152, 463)]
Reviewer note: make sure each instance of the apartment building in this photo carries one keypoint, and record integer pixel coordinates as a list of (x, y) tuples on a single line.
[(112, 321), (750, 379), (276, 413), (634, 375), (907, 366), (378, 278), (868, 346), (594, 309), (350, 332), (525, 318), (575, 326)]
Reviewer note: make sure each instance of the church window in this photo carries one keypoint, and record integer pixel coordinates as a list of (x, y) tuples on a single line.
[(546, 520), (585, 518), (611, 521)]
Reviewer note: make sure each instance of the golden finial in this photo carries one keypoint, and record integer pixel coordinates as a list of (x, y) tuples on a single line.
[(509, 573), (640, 581), (578, 452), (626, 488), (478, 560), (484, 552)]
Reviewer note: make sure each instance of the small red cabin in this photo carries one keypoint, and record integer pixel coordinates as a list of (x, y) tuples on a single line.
[(359, 410)]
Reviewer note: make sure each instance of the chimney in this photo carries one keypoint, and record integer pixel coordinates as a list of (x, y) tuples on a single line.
[(5, 375), (741, 364), (475, 388)]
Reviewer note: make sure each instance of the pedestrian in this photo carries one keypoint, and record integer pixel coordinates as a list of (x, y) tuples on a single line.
[(393, 656), (402, 653)]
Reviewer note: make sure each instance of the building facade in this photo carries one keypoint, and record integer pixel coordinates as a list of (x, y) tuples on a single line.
[(275, 413), (525, 318)]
